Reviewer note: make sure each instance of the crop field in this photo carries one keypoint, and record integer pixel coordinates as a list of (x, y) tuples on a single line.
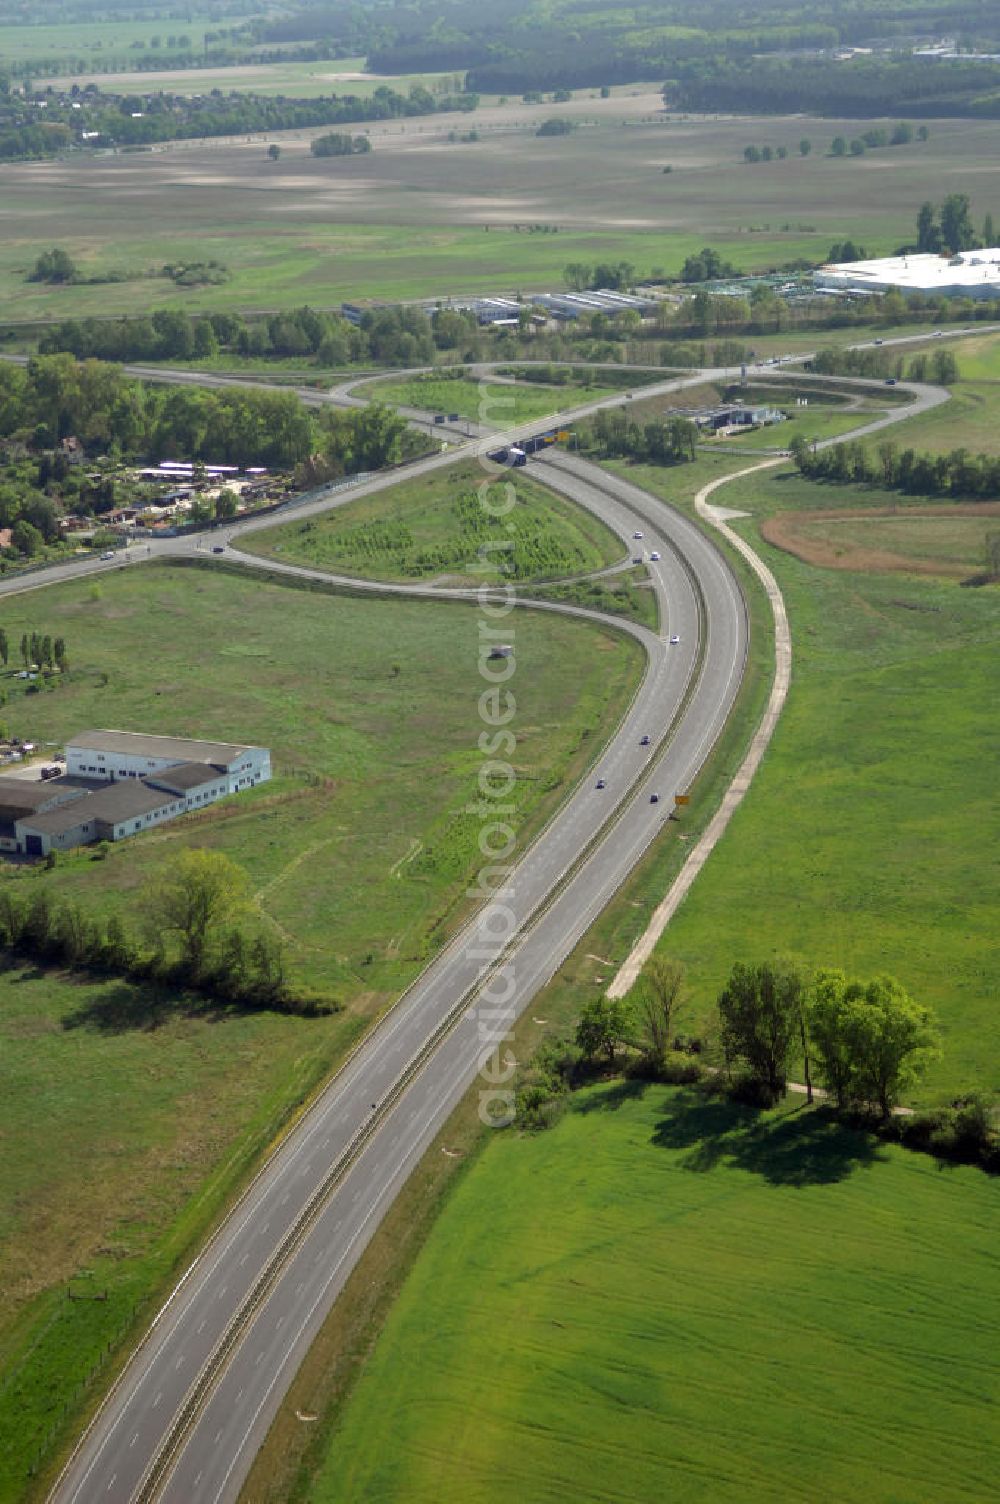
[(105, 39), (498, 404), (675, 1299), (868, 839), (436, 528), (357, 851), (950, 542), (343, 75), (422, 215)]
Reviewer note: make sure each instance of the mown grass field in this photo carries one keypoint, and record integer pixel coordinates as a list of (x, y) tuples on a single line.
[(436, 527), (358, 853), (979, 358), (664, 1297), (868, 839)]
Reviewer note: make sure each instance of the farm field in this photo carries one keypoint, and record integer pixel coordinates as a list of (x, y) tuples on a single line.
[(947, 541), (868, 838), (344, 75), (108, 39), (505, 213), (789, 1290), (497, 403), (435, 528), (357, 852)]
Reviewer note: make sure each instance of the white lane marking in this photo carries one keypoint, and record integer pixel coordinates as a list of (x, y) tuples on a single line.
[(159, 1396), (135, 1438)]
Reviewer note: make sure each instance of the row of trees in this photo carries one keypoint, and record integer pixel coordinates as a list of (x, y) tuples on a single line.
[(399, 336), (37, 650), (864, 88), (194, 911), (940, 366), (143, 119), (610, 434), (866, 1040), (615, 276), (949, 227), (958, 475)]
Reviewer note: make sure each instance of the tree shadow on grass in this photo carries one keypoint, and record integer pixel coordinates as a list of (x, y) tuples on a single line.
[(123, 1007), (611, 1097), (807, 1146)]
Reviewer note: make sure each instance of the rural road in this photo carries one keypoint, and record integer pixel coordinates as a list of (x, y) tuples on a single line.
[(245, 1313)]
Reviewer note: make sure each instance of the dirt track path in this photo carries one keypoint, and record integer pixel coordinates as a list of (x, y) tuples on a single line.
[(630, 968)]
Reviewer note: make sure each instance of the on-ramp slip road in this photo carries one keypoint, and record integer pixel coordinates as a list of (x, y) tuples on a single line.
[(194, 1404), (333, 1178)]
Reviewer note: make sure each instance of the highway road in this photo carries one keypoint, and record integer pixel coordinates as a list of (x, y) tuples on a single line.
[(556, 890), (192, 1407)]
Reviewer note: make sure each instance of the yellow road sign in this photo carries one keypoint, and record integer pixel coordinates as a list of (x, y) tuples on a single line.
[(682, 798), (563, 435)]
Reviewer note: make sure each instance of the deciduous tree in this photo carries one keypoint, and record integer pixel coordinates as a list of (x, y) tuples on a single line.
[(192, 895), (759, 1010)]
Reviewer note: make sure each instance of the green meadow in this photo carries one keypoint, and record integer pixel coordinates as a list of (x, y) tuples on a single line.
[(667, 1297), (868, 838), (498, 404)]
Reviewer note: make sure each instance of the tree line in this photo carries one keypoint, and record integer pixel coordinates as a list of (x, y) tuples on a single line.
[(194, 911), (612, 435), (130, 120), (862, 1043), (864, 87), (958, 475), (398, 336), (55, 396)]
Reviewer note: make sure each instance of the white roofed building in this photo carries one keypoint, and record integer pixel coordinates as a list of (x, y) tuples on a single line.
[(968, 274)]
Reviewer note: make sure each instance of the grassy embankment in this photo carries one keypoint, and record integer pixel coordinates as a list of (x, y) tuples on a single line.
[(668, 1297), (357, 855)]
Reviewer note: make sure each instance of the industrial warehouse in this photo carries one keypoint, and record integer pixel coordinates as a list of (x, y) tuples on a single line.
[(968, 274), (118, 783)]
